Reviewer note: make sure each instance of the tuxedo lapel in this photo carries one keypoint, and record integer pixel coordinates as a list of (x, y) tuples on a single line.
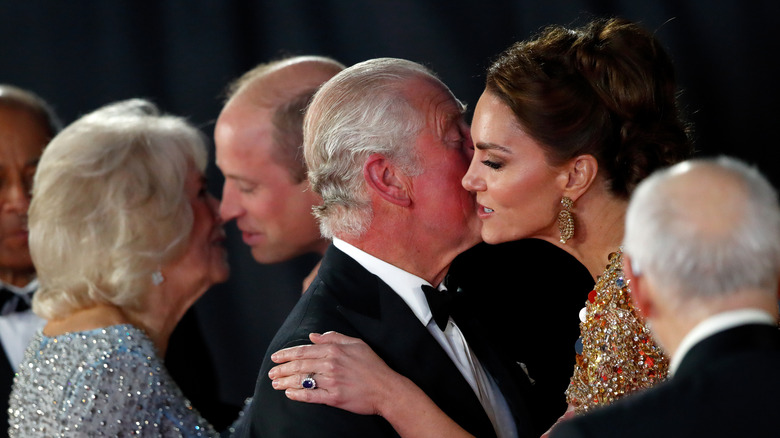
[(388, 325), (6, 381), (510, 378)]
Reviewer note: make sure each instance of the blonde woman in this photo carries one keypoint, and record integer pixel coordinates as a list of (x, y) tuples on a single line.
[(125, 238)]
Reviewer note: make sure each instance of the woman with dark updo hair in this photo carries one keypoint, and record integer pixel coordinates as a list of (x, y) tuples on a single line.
[(569, 123), (580, 117)]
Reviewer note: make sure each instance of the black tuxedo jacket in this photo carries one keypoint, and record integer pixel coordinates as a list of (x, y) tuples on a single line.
[(527, 295), (727, 386), (346, 298)]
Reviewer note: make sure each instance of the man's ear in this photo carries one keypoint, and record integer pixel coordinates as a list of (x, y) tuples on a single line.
[(386, 180), (640, 293), (579, 174)]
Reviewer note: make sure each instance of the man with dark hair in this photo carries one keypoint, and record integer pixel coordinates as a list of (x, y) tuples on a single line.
[(27, 123), (258, 138)]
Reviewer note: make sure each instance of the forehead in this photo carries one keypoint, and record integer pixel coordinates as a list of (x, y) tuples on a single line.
[(21, 131), (247, 153), (493, 118), (243, 128), (435, 101)]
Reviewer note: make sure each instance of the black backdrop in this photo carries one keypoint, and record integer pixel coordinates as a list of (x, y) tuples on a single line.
[(81, 54)]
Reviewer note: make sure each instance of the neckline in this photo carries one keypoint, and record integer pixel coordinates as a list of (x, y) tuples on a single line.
[(113, 327)]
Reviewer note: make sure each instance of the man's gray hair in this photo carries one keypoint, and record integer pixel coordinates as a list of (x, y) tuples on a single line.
[(363, 110), (706, 239)]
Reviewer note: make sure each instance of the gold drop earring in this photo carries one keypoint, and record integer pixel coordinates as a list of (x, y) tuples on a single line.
[(566, 219)]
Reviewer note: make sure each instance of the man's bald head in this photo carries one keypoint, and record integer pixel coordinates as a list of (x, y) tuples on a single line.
[(705, 230), (283, 89), (259, 136)]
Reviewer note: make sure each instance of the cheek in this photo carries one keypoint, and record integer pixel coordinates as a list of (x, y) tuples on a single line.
[(264, 205), (508, 192), (456, 169), (531, 197)]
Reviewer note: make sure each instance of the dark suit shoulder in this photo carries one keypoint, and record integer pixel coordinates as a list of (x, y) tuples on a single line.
[(316, 312), (345, 297), (272, 414), (730, 389)]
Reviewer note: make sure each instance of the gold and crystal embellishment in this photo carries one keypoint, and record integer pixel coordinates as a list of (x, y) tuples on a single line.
[(618, 354)]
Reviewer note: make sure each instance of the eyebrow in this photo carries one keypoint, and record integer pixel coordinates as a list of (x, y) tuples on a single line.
[(492, 146), (30, 163), (239, 178)]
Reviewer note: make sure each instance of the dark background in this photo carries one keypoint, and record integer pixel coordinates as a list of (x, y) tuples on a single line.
[(82, 54)]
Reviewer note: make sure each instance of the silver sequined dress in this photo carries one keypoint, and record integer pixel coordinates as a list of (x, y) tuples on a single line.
[(104, 382)]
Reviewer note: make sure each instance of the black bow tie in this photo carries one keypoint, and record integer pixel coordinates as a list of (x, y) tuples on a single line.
[(441, 302), (11, 302)]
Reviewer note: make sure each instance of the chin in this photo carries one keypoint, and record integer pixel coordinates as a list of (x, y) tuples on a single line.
[(493, 238), (220, 273), (260, 255), (268, 255)]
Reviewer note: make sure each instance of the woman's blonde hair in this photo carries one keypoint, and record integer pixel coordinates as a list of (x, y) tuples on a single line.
[(109, 207)]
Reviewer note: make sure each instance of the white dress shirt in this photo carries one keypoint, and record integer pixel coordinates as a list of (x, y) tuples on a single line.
[(714, 324), (408, 287), (18, 328)]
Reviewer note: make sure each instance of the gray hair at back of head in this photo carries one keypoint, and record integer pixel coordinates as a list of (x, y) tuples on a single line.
[(109, 206), (363, 110), (21, 98), (695, 265)]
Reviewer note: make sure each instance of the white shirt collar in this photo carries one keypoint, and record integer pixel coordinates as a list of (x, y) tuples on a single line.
[(405, 284), (714, 324), (31, 287)]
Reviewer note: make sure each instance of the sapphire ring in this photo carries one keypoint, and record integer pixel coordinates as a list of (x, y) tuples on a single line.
[(309, 382)]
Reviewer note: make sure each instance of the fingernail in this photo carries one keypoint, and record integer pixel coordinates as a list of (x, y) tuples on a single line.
[(274, 383)]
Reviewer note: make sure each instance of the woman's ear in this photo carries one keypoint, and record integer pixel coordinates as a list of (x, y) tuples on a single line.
[(579, 174), (385, 180)]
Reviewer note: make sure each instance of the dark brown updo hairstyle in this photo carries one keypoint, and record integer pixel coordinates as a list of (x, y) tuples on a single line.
[(606, 89)]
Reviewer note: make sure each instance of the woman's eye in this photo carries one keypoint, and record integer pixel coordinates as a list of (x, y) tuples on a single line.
[(491, 164)]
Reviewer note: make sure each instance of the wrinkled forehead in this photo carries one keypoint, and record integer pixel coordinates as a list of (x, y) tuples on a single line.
[(435, 102)]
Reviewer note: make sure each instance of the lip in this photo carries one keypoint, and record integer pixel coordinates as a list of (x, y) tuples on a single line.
[(18, 235), (251, 238), (482, 213)]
